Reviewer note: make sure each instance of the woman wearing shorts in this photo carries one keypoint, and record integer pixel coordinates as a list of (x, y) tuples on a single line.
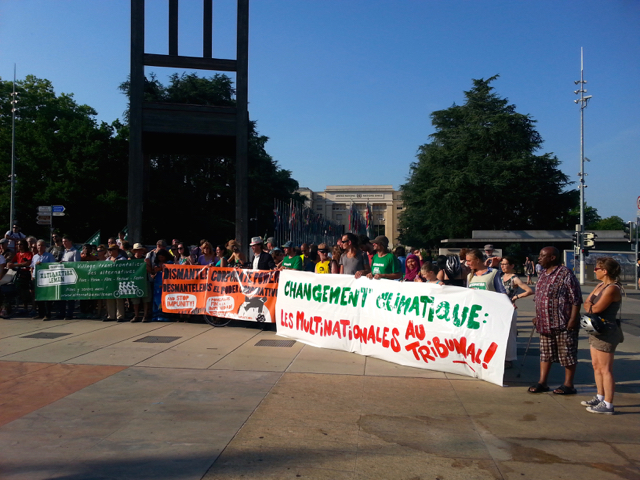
[(605, 301)]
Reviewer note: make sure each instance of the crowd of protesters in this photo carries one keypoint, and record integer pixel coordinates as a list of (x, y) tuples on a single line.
[(556, 317), (351, 255)]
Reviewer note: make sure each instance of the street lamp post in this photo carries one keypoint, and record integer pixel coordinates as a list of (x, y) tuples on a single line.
[(14, 102), (582, 101)]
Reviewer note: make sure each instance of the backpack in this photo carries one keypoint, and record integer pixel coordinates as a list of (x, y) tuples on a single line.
[(452, 268)]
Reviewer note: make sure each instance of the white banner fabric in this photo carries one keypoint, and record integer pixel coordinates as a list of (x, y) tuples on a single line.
[(444, 328)]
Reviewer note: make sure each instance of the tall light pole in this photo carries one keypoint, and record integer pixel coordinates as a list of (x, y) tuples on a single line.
[(14, 103), (582, 101)]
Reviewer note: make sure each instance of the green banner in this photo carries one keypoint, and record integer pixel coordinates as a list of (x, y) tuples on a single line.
[(94, 239), (91, 280)]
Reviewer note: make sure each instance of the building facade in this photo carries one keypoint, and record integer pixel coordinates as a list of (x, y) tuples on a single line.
[(336, 201)]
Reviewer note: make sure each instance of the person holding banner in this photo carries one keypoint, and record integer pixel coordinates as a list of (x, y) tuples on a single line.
[(384, 264), (139, 252), (261, 259), (207, 256), (412, 268), (558, 299), (42, 256), (237, 258), (182, 256), (291, 261), (481, 276), (353, 261), (429, 274), (21, 263), (115, 306), (162, 257), (324, 262)]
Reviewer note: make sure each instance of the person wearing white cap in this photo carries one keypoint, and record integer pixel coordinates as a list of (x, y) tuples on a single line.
[(261, 259)]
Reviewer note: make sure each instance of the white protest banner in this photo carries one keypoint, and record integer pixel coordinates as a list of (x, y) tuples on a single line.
[(449, 329)]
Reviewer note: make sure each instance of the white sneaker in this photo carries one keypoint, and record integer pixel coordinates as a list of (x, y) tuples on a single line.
[(590, 403), (601, 408)]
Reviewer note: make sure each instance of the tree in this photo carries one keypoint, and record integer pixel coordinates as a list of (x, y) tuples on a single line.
[(480, 171), (63, 156), (609, 223), (193, 196), (591, 216)]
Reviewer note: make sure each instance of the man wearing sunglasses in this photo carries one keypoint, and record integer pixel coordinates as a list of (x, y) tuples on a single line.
[(353, 261)]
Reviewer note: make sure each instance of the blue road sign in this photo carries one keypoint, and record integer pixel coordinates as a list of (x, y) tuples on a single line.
[(57, 208)]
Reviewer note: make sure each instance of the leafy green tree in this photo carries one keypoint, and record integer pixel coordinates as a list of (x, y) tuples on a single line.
[(480, 171), (63, 156), (609, 223), (591, 216), (193, 196)]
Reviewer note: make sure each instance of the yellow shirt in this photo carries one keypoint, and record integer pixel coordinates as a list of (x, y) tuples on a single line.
[(323, 267)]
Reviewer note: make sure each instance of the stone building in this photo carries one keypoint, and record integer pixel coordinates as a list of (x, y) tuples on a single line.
[(335, 202)]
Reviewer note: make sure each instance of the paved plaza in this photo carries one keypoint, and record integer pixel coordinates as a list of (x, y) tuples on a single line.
[(83, 399)]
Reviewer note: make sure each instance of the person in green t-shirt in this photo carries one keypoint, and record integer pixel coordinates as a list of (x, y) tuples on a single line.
[(291, 261), (384, 263)]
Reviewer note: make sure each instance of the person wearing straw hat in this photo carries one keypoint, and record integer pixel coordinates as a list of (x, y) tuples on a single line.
[(261, 259)]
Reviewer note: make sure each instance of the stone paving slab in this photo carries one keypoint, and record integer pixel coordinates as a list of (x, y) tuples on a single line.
[(248, 356), (30, 387), (17, 326), (138, 423), (119, 345), (216, 406), (202, 351)]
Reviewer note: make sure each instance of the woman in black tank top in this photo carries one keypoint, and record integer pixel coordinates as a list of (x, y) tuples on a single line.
[(605, 301)]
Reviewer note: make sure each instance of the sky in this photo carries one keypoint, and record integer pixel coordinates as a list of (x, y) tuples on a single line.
[(345, 89)]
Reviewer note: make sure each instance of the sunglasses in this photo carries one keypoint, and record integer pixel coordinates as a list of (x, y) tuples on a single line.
[(597, 268)]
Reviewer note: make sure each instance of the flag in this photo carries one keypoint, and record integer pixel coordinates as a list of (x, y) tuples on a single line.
[(94, 239)]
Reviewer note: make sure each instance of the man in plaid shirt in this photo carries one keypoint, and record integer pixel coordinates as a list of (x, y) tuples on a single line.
[(558, 299)]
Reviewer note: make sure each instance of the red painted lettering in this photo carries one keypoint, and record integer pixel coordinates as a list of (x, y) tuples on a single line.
[(395, 344), (414, 348), (385, 342), (443, 351)]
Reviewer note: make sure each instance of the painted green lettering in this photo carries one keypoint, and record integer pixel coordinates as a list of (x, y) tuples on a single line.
[(334, 295), (353, 297), (425, 300), (343, 296), (457, 320), (415, 306), (365, 292), (442, 311), (472, 324), (317, 293), (325, 292)]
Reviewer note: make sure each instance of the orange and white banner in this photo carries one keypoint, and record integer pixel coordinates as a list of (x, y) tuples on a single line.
[(221, 292)]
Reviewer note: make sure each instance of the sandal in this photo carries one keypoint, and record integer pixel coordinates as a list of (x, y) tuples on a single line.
[(538, 388), (564, 390)]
